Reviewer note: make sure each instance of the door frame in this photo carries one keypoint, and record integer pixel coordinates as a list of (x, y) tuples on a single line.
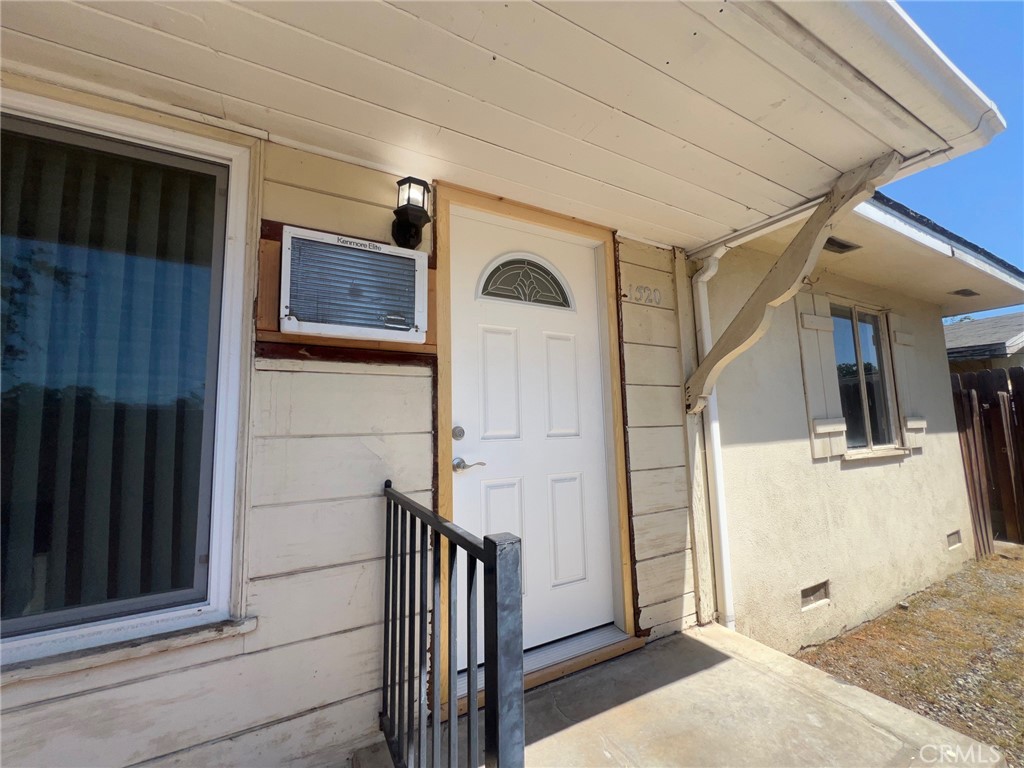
[(445, 196)]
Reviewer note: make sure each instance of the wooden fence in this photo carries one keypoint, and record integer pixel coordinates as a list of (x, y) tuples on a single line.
[(989, 409)]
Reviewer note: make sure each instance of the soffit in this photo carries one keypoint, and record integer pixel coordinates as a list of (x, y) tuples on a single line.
[(919, 266), (680, 123)]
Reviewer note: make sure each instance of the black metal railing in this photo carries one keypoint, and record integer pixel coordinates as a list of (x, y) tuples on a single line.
[(417, 599)]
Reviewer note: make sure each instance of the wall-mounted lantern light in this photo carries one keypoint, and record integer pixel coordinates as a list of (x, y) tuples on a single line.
[(411, 214)]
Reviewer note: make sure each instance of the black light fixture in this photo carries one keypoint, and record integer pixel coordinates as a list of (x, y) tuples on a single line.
[(411, 214)]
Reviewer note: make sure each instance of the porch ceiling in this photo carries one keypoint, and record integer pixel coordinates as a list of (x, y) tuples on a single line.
[(676, 122)]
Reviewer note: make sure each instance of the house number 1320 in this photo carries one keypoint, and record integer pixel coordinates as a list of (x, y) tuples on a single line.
[(644, 294)]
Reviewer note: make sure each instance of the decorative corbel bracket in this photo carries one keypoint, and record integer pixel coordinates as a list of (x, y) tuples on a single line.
[(787, 275)]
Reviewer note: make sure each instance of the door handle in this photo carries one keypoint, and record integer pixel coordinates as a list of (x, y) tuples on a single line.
[(459, 464)]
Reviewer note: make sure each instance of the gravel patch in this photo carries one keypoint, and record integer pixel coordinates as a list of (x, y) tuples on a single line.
[(954, 653)]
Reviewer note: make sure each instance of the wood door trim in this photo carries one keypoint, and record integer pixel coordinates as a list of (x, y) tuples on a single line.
[(447, 195), (453, 193)]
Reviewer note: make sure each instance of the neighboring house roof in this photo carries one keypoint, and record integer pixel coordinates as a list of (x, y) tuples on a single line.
[(989, 337)]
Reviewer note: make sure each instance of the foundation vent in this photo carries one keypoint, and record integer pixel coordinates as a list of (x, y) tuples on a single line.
[(813, 595), (953, 539)]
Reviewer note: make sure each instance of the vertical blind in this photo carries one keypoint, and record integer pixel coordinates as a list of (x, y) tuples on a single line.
[(111, 263)]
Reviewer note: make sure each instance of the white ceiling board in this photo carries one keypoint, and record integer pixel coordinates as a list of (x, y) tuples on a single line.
[(405, 41), (625, 134), (326, 139), (48, 57), (316, 136), (691, 50), (399, 38), (268, 42), (352, 147), (545, 42)]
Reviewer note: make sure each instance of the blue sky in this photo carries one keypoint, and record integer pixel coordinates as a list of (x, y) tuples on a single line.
[(980, 195)]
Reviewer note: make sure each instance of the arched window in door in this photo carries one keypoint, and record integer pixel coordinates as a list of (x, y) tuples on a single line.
[(526, 280)]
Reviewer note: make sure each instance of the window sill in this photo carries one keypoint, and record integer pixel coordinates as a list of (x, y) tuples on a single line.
[(877, 453), (76, 661), (816, 604)]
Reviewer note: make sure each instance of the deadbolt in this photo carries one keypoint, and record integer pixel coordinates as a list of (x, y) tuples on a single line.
[(458, 433)]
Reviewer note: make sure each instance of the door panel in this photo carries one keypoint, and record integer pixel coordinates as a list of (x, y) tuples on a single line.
[(568, 529), (499, 383), (563, 388)]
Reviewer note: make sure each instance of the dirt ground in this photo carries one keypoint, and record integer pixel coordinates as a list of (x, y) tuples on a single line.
[(955, 655)]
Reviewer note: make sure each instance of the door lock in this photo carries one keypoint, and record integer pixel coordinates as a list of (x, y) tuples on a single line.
[(459, 464), (458, 433)]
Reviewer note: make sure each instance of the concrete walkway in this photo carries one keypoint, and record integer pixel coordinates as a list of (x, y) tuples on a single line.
[(712, 697)]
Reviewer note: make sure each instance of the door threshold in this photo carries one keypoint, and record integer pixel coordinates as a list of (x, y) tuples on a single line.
[(563, 657)]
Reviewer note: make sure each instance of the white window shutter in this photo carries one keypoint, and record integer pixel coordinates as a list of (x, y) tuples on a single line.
[(904, 364), (825, 422)]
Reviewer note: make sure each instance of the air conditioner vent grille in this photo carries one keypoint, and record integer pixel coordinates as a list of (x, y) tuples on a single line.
[(337, 285)]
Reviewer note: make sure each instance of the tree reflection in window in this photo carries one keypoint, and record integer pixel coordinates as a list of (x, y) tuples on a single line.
[(526, 281)]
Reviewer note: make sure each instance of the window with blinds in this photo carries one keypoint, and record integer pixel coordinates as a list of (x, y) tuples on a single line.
[(112, 259)]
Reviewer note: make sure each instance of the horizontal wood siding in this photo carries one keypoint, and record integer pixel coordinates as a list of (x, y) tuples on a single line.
[(155, 716), (322, 736), (656, 440), (306, 468), (288, 538)]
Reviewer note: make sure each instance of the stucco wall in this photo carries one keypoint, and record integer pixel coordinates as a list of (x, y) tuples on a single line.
[(875, 529)]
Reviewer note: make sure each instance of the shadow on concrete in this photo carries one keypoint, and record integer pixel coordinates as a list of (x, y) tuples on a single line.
[(569, 701), (563, 703)]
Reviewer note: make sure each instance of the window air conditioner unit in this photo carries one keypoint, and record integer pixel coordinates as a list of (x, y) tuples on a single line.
[(340, 286)]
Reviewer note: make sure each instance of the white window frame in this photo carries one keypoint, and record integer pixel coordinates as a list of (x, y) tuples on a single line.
[(892, 405), (217, 606)]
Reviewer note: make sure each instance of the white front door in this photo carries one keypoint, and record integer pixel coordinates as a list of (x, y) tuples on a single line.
[(528, 391)]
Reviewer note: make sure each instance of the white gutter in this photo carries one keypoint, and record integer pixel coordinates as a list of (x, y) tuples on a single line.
[(713, 442)]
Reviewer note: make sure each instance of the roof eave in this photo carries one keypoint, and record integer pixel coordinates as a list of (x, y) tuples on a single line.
[(883, 44)]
